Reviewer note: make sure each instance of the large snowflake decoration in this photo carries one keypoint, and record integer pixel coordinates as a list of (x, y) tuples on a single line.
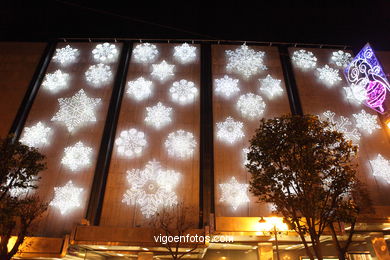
[(104, 52), (341, 125), (341, 58), (234, 193), (245, 61), (270, 86), (67, 197), (65, 55), (56, 80), (366, 121), (151, 188), (251, 106), (140, 88), (162, 70), (35, 135), (356, 93), (98, 74), (158, 115), (76, 110), (230, 131), (328, 75), (180, 144), (185, 53), (183, 91), (77, 156), (131, 142), (304, 59), (381, 168), (226, 86), (145, 52)]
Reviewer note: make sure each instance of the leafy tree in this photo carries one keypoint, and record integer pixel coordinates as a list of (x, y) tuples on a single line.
[(308, 172), (19, 169)]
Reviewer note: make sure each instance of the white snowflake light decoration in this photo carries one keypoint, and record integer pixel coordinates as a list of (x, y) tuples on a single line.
[(98, 74), (131, 142), (234, 193), (183, 91), (65, 55), (226, 86), (328, 75), (356, 93), (270, 86), (341, 58), (304, 59), (151, 188), (104, 52), (180, 144), (77, 156), (381, 168), (19, 191), (162, 70), (145, 52), (35, 135), (158, 116), (245, 160), (67, 197), (55, 81), (185, 53), (251, 106), (76, 110), (366, 121), (140, 88), (245, 61), (230, 131), (343, 125)]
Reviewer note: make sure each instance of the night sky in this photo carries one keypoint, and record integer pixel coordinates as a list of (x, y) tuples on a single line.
[(328, 22)]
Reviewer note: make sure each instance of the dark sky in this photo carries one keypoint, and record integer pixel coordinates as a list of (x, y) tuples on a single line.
[(329, 22)]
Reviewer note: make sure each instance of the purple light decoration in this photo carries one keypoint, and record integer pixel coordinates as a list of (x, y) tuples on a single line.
[(366, 70)]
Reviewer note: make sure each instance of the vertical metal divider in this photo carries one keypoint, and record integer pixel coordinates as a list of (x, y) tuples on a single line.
[(105, 151), (32, 90), (206, 185)]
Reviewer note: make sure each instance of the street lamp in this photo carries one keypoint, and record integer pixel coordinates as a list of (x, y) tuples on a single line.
[(273, 225)]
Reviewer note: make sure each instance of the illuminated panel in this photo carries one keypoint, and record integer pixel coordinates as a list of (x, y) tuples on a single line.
[(75, 113), (248, 85), (155, 160)]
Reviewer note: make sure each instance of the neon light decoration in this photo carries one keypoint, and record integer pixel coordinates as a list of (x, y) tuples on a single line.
[(105, 52), (67, 197), (35, 135), (151, 188), (55, 81), (131, 143), (140, 88), (77, 156), (66, 55), (230, 131), (145, 52), (226, 86), (251, 106), (356, 93), (342, 125), (381, 168), (185, 53), (180, 144), (163, 70), (366, 70), (366, 121), (183, 92), (234, 193)]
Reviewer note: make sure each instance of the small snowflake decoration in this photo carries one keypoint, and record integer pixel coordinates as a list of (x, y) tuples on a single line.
[(104, 52), (304, 59), (183, 91), (77, 156), (131, 143), (356, 93), (185, 53), (76, 110), (328, 75), (342, 125), (158, 116), (230, 131), (65, 55), (341, 58), (98, 74), (234, 193), (226, 86), (162, 70), (180, 144), (366, 121), (36, 135), (251, 106), (270, 86), (140, 89), (55, 81), (245, 61), (151, 188), (381, 168), (67, 197), (145, 52)]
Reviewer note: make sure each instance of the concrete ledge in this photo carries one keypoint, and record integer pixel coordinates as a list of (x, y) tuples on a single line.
[(44, 247)]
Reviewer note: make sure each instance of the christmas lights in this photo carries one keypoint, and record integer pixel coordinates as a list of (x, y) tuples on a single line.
[(158, 116), (185, 53), (98, 74), (67, 197), (230, 131), (234, 193), (145, 52), (66, 55), (55, 81), (180, 144), (35, 135), (226, 86), (77, 156), (366, 121), (381, 168), (251, 106), (140, 89), (105, 52), (356, 93), (183, 91), (341, 58), (270, 86), (304, 59), (341, 125), (162, 70), (328, 75), (131, 143)]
